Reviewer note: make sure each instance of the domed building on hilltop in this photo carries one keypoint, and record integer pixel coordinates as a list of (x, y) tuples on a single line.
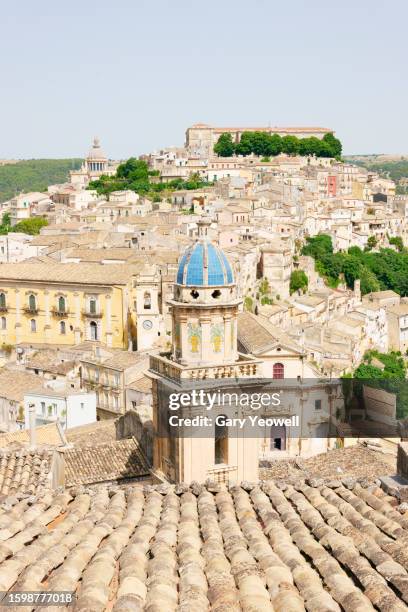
[(95, 164)]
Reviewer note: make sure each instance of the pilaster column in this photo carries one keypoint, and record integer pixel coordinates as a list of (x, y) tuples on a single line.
[(108, 319), (206, 345), (235, 338), (183, 337), (108, 302), (47, 325), (77, 309), (18, 316), (47, 306), (18, 306), (227, 337)]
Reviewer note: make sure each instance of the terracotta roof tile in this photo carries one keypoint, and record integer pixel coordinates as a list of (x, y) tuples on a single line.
[(45, 434), (262, 546), (24, 471), (114, 461)]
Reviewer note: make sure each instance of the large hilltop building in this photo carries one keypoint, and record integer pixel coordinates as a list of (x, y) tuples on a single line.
[(201, 138)]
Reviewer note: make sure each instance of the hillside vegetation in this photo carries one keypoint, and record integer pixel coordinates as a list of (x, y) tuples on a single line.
[(386, 269), (34, 175), (269, 145), (134, 174)]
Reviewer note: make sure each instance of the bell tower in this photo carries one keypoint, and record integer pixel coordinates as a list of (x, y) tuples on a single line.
[(204, 307), (203, 356)]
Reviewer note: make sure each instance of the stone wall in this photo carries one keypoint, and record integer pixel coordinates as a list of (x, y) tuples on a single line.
[(134, 425), (402, 459)]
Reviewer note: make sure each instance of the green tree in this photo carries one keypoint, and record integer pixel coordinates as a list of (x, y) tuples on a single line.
[(310, 146), (298, 280), (395, 240), (5, 226), (368, 280), (351, 269), (133, 169), (334, 144), (135, 175), (275, 145), (386, 269), (290, 145), (367, 371), (245, 145), (248, 303), (317, 246), (264, 287), (31, 226), (371, 242), (224, 146)]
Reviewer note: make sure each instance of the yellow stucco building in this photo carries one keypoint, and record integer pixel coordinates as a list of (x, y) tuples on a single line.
[(64, 304)]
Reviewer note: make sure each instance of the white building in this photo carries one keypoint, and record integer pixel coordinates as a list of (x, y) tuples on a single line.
[(398, 327), (70, 407), (25, 205), (15, 247)]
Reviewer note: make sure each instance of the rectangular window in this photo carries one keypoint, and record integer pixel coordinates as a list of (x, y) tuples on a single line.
[(43, 408), (318, 404)]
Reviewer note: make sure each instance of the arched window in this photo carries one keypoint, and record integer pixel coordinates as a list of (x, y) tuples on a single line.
[(93, 327), (3, 323), (278, 370), (61, 304), (2, 300), (33, 325), (221, 443), (92, 306), (147, 300), (32, 302), (62, 327)]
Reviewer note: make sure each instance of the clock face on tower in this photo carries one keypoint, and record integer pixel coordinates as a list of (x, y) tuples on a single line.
[(147, 324)]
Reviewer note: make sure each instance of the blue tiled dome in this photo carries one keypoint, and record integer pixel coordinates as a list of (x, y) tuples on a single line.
[(204, 263)]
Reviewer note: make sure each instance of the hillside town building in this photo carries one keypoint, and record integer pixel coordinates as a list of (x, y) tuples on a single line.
[(122, 293), (201, 137)]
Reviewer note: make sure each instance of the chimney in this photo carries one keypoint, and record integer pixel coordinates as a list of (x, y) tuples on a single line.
[(31, 420)]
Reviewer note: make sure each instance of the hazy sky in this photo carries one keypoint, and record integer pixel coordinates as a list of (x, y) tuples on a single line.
[(137, 73)]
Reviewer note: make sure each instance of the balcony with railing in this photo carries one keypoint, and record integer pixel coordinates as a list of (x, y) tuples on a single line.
[(59, 312), (91, 314), (245, 367), (30, 310), (222, 473)]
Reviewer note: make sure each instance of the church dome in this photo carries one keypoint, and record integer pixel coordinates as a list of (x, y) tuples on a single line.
[(96, 151), (204, 264)]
